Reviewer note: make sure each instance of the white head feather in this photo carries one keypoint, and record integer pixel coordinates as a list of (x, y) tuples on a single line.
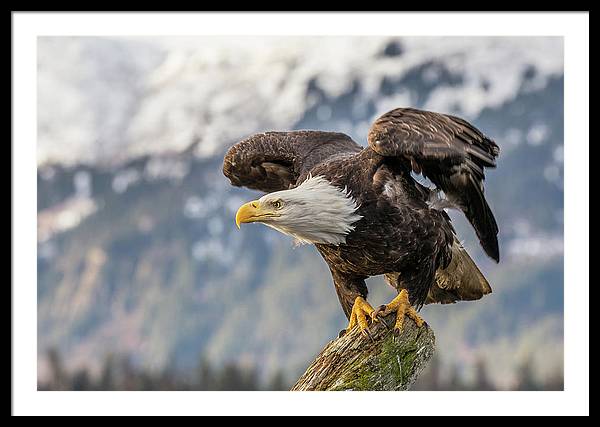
[(314, 212)]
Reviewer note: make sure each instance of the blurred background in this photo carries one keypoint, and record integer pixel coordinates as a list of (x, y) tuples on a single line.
[(144, 282)]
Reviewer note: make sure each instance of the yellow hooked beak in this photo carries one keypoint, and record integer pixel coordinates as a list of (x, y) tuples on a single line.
[(251, 212)]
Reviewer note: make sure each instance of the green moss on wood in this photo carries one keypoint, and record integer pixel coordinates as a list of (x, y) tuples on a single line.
[(386, 362)]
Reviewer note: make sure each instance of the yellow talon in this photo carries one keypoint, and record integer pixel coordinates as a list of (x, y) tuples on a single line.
[(401, 306), (361, 310)]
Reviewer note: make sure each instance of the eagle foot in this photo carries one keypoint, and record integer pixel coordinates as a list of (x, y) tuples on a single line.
[(361, 313), (401, 306)]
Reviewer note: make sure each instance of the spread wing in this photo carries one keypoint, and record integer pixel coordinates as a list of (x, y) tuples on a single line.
[(273, 161), (451, 153)]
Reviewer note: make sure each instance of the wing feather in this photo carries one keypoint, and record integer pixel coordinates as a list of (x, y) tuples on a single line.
[(449, 151), (274, 161)]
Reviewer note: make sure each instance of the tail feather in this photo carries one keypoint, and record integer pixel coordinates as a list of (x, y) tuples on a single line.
[(460, 281), (482, 219)]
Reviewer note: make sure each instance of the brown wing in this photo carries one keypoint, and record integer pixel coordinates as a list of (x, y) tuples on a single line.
[(274, 161), (451, 153)]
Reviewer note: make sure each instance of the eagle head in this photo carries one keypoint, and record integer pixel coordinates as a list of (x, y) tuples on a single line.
[(316, 211)]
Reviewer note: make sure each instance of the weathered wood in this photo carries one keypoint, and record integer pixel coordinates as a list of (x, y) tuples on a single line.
[(383, 362)]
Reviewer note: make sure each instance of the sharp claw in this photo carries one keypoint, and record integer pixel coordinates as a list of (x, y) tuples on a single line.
[(342, 333), (378, 311)]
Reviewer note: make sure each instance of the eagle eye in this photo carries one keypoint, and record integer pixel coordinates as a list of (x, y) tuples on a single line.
[(277, 204)]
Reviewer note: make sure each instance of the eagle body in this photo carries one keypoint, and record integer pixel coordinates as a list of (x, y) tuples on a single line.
[(398, 231), (363, 209)]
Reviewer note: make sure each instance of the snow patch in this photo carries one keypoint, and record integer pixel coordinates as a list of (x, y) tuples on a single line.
[(106, 99)]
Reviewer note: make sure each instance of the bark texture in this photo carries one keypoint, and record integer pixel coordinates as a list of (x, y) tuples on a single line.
[(383, 362)]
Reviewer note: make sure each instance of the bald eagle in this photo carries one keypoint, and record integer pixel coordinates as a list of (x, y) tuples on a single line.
[(365, 212)]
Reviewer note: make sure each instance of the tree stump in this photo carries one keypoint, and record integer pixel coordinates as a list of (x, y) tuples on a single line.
[(382, 362)]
